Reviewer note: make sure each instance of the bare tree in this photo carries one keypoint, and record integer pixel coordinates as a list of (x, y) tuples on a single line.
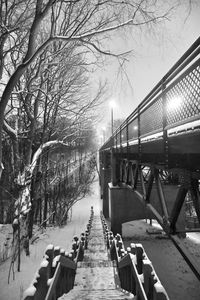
[(88, 24)]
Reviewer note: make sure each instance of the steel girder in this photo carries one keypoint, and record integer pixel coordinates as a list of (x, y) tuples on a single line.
[(142, 178)]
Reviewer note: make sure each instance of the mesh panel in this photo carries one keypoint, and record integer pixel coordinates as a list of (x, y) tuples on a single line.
[(151, 118), (123, 135), (118, 139), (133, 129), (183, 98)]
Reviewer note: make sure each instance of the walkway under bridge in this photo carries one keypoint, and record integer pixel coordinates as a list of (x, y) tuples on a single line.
[(150, 166)]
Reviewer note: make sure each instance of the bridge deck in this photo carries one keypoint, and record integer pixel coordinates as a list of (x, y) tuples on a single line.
[(96, 276)]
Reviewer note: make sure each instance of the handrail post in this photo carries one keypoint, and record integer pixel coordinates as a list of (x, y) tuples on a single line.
[(139, 134), (164, 120)]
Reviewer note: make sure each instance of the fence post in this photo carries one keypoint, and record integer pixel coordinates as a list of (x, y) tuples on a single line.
[(149, 278), (139, 257), (56, 251), (41, 283), (50, 255)]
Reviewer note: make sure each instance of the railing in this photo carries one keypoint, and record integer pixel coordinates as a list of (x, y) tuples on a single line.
[(135, 270), (172, 106), (57, 271)]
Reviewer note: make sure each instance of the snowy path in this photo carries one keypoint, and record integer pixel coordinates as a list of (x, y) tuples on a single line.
[(59, 236)]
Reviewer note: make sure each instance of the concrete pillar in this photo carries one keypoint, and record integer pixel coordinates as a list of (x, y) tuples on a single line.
[(124, 206), (106, 180)]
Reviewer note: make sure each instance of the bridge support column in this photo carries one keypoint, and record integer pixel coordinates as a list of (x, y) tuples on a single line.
[(124, 206), (106, 180)]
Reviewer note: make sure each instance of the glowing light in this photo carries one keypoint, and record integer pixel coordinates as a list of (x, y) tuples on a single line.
[(135, 127), (112, 104), (174, 103)]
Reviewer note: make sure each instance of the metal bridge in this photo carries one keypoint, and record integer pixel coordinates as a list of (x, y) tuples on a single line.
[(150, 166)]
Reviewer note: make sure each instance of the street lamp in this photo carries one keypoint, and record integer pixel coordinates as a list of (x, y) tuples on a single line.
[(112, 106), (104, 133)]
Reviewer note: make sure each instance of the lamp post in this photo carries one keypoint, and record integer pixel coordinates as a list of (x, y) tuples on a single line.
[(112, 105), (104, 134), (113, 158), (112, 119)]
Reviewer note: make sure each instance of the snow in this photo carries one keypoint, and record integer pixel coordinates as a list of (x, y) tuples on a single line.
[(176, 277), (55, 236), (55, 260), (170, 267), (6, 237), (49, 247), (30, 291), (44, 264)]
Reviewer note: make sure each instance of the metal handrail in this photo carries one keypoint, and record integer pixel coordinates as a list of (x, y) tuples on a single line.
[(178, 70)]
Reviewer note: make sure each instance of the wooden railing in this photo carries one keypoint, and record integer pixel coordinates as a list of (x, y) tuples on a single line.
[(136, 272), (57, 271)]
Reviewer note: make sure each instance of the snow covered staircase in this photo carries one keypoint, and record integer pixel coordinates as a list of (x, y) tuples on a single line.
[(96, 276)]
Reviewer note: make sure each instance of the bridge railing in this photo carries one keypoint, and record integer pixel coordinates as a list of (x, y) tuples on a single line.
[(172, 106), (136, 272), (57, 271)]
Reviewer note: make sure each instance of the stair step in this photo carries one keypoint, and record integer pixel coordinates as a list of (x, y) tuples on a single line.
[(98, 255), (94, 264), (86, 294), (96, 276), (96, 244)]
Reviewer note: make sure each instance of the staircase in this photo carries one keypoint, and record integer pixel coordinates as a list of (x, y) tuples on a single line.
[(96, 276)]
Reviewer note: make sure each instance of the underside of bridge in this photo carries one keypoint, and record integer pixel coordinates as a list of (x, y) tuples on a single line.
[(150, 167)]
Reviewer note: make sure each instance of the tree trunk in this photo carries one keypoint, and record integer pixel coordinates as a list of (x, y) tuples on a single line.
[(19, 249), (54, 208), (31, 220), (45, 209), (2, 211), (40, 210), (37, 210), (31, 212)]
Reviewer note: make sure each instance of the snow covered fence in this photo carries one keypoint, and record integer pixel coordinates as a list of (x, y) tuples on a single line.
[(135, 270), (57, 271)]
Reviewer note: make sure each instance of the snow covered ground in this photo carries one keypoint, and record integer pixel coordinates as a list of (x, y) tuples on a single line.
[(172, 270), (58, 237), (178, 280)]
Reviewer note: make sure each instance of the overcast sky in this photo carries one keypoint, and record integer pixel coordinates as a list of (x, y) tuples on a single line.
[(154, 54)]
